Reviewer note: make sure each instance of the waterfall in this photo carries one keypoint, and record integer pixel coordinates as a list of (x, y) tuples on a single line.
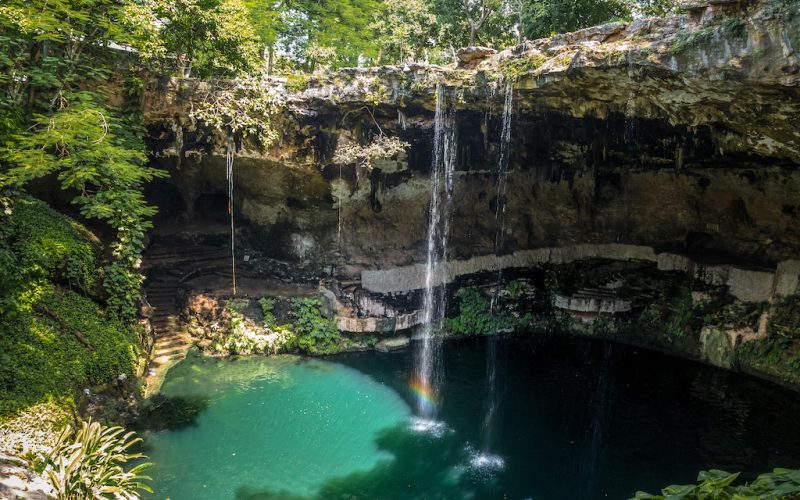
[(486, 459), (427, 369), (502, 171), (229, 154), (601, 403)]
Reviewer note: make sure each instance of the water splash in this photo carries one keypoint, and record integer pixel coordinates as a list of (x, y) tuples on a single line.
[(484, 466), (433, 428), (427, 366)]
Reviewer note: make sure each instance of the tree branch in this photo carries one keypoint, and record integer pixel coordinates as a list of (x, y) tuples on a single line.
[(75, 333)]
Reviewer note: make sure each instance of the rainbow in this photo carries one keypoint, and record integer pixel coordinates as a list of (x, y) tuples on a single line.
[(425, 396)]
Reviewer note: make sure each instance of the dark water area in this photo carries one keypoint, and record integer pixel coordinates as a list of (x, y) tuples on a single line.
[(575, 419)]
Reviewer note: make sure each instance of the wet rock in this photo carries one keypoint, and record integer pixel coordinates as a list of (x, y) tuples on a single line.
[(393, 344), (469, 57), (716, 348)]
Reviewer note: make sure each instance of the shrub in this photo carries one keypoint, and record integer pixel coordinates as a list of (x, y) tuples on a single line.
[(315, 334), (48, 356), (55, 340), (89, 463), (37, 244), (267, 306), (718, 484), (475, 316)]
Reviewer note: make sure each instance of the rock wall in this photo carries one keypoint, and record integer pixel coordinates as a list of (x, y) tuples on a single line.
[(679, 134)]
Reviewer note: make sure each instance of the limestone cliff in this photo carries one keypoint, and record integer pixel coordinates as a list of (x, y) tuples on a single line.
[(682, 134)]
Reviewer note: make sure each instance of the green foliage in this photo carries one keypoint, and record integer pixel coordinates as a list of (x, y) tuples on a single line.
[(267, 21), (775, 355), (50, 124), (205, 37), (55, 339), (517, 67), (717, 484), (237, 341), (88, 149), (453, 17), (380, 147), (296, 83), (546, 17), (405, 29), (658, 8), (338, 33), (267, 307), (43, 351), (315, 334), (679, 324), (516, 289), (475, 316), (785, 318), (90, 463), (50, 47), (245, 106), (729, 28), (36, 245)]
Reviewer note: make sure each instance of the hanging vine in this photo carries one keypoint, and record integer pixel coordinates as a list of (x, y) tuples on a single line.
[(240, 108), (380, 147)]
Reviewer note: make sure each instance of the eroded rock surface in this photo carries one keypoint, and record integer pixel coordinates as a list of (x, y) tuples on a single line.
[(679, 133)]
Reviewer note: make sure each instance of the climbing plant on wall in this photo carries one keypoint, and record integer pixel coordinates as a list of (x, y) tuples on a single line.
[(84, 145)]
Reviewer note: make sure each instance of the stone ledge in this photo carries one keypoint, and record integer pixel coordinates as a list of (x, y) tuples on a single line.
[(379, 325), (744, 284), (592, 305)]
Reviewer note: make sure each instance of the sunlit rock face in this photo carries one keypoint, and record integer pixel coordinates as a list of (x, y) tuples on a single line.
[(682, 134)]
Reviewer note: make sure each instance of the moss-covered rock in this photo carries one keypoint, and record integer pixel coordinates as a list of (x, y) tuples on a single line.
[(56, 340)]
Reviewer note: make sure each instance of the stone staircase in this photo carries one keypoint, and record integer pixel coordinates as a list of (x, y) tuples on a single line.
[(166, 268)]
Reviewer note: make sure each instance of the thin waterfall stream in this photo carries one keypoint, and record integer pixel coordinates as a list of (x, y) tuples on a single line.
[(486, 459), (428, 365)]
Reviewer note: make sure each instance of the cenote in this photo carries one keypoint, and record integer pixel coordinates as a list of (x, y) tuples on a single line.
[(314, 250), (576, 418)]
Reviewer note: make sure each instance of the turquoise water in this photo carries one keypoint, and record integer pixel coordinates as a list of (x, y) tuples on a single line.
[(575, 419), (284, 423)]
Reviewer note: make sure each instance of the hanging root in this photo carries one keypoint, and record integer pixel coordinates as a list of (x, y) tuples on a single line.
[(229, 154)]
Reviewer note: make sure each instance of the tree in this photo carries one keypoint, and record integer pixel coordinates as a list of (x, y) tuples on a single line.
[(51, 123), (47, 48), (476, 13), (405, 28), (547, 17), (659, 8), (341, 27), (93, 156), (204, 37), (455, 28), (266, 17)]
